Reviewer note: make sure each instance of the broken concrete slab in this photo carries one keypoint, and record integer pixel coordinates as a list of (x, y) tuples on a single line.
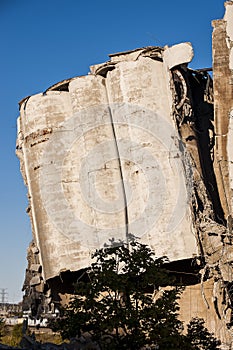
[(178, 54), (140, 145)]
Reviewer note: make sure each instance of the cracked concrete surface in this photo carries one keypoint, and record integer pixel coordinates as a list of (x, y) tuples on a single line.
[(141, 145)]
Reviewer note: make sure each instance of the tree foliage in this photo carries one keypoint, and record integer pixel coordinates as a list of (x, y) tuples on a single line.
[(199, 336), (121, 304), (2, 328)]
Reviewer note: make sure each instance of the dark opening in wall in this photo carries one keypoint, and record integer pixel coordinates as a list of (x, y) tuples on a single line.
[(185, 272), (61, 86), (103, 70)]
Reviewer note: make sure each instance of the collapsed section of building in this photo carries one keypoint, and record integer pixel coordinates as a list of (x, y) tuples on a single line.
[(142, 146)]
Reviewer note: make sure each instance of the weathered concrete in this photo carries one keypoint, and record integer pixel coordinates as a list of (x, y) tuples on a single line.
[(178, 54), (223, 105), (141, 145), (58, 130)]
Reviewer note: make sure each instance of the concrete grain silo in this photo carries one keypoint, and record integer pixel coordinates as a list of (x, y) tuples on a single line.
[(140, 146)]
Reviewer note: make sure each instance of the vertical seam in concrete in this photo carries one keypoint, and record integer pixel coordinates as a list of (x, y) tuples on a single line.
[(120, 168), (121, 175)]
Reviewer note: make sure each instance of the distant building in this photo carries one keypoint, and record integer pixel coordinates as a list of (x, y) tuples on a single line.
[(10, 309)]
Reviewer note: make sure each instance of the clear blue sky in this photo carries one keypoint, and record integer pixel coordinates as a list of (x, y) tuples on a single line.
[(45, 41)]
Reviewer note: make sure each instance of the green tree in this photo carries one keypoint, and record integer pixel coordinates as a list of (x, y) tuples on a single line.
[(199, 336), (121, 305), (117, 302), (2, 328), (16, 334)]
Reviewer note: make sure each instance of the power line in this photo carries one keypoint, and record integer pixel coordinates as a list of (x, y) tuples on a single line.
[(3, 294)]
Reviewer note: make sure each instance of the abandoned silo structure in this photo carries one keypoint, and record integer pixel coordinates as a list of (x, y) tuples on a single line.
[(141, 145)]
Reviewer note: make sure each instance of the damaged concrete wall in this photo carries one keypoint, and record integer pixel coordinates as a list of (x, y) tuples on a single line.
[(223, 103), (102, 160), (142, 146)]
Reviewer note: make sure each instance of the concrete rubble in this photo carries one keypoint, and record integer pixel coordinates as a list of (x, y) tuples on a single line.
[(141, 145)]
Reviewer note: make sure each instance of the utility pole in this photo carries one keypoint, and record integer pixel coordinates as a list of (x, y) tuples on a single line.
[(3, 294)]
